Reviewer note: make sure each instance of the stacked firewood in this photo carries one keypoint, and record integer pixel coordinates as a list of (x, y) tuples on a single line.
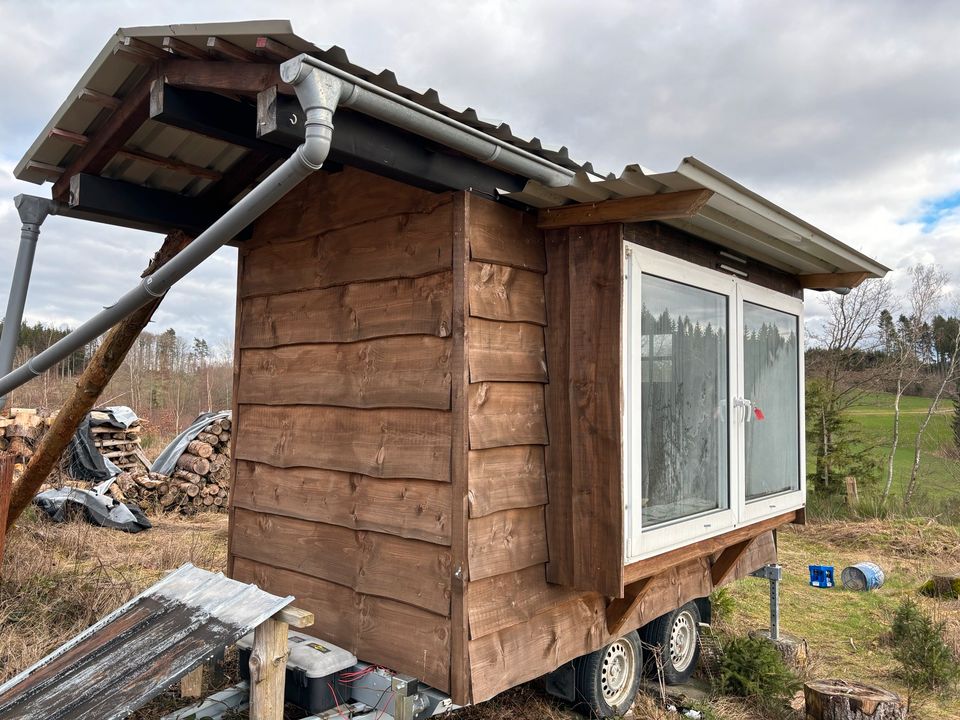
[(200, 482), (20, 433), (121, 447)]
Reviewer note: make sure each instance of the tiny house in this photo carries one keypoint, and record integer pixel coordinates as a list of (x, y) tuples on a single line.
[(485, 426)]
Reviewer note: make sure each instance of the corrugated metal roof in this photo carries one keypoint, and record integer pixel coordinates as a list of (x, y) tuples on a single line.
[(133, 654), (734, 217)]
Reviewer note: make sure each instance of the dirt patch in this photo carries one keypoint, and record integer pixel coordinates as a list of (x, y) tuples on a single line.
[(895, 538)]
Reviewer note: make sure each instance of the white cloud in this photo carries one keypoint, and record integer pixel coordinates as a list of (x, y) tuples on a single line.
[(843, 113)]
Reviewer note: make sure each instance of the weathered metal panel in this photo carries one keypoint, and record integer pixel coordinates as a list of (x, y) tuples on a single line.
[(133, 654)]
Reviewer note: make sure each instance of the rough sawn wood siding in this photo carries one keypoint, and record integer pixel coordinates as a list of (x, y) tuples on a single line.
[(342, 491)]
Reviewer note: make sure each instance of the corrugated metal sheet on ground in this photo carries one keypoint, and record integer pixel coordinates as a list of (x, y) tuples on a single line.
[(133, 654)]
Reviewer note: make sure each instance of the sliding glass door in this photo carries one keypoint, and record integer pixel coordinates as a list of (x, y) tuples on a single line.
[(712, 408)]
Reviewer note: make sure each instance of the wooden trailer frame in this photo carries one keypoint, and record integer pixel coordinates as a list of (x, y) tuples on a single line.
[(429, 366)]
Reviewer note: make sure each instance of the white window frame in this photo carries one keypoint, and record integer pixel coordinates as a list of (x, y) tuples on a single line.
[(640, 544)]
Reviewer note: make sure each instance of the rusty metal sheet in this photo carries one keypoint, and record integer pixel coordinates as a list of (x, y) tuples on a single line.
[(133, 654)]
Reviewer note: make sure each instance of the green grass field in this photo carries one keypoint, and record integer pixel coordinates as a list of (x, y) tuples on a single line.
[(939, 471)]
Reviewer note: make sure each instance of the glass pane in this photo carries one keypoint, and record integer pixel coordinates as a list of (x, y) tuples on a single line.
[(771, 381), (683, 400)]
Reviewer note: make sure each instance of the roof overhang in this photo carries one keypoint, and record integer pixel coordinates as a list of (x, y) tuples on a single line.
[(163, 127)]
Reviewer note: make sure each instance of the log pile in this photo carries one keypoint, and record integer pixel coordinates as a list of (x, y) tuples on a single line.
[(121, 447), (20, 431), (200, 481)]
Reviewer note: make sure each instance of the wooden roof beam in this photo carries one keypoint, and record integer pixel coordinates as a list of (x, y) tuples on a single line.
[(273, 50), (215, 76), (138, 51), (111, 137), (169, 163), (98, 98), (662, 206), (176, 46), (70, 136), (831, 281), (223, 48)]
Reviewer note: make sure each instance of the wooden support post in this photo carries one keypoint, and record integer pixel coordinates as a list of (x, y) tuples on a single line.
[(853, 495), (620, 609), (191, 684), (268, 668), (6, 486)]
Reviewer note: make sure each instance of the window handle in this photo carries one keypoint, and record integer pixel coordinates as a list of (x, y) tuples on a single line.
[(746, 405)]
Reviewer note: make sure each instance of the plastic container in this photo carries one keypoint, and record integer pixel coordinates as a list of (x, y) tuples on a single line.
[(862, 577), (313, 669), (821, 576)]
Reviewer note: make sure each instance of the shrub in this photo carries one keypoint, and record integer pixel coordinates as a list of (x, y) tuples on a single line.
[(721, 603), (753, 668), (927, 661)]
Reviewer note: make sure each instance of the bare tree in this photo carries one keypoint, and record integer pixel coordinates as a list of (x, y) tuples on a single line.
[(910, 345)]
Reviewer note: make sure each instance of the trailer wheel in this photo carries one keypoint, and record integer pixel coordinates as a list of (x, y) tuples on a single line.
[(677, 636), (608, 680)]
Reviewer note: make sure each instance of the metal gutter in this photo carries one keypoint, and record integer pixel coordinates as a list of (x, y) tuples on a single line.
[(318, 93)]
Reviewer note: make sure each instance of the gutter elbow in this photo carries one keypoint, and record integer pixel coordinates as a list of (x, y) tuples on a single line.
[(319, 93)]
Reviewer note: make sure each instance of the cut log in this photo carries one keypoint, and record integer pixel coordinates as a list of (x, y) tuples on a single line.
[(190, 489), (225, 423), (793, 650), (200, 448), (194, 464), (208, 438), (843, 700)]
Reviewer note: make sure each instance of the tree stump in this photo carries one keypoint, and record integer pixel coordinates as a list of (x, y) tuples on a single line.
[(793, 650), (942, 586), (842, 700)]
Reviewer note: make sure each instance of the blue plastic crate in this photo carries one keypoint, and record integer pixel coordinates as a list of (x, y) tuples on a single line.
[(821, 576)]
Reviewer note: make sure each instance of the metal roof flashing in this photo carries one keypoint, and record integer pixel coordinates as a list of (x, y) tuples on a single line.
[(734, 217)]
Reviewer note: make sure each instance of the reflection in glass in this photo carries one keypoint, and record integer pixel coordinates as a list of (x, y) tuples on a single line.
[(683, 399), (771, 381)]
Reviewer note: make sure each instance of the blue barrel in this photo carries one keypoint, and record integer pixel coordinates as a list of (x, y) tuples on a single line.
[(862, 577)]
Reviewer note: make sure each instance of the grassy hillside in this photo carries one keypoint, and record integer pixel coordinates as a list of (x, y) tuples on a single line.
[(939, 465)]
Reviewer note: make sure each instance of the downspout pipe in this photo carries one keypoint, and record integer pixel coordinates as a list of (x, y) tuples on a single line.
[(318, 93), (33, 211), (369, 99)]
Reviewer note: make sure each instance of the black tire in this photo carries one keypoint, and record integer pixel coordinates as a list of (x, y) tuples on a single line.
[(676, 640), (608, 680)]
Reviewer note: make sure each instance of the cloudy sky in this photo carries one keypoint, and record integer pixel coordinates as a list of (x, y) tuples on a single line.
[(847, 114)]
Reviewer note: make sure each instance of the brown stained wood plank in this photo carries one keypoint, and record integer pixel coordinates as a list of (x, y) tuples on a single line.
[(662, 206), (558, 454), (140, 51), (410, 571), (184, 49), (500, 601), (74, 138), (460, 687), (52, 171), (415, 306), (274, 50), (400, 246), (762, 551), (170, 164), (226, 49), (378, 630), (828, 281), (506, 541), (656, 564), (497, 292), (401, 371), (503, 414), (416, 509), (506, 236), (596, 285), (112, 135), (500, 351), (620, 609), (98, 98), (506, 478), (381, 443), (727, 559), (325, 202), (242, 77)]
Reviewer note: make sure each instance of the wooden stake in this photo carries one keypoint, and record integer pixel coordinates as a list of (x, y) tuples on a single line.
[(6, 481), (191, 684), (268, 667), (105, 362)]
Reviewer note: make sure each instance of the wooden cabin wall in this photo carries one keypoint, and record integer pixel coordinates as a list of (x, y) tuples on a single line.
[(342, 491)]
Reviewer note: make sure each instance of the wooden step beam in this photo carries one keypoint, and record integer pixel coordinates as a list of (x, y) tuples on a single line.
[(662, 206)]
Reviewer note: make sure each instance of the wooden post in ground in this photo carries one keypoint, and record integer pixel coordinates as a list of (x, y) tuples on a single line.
[(268, 662), (853, 496), (6, 485), (105, 362)]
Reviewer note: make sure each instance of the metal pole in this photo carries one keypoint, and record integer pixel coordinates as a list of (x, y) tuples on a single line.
[(33, 211), (773, 573)]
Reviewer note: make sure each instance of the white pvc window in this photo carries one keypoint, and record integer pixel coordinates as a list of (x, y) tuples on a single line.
[(712, 402)]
